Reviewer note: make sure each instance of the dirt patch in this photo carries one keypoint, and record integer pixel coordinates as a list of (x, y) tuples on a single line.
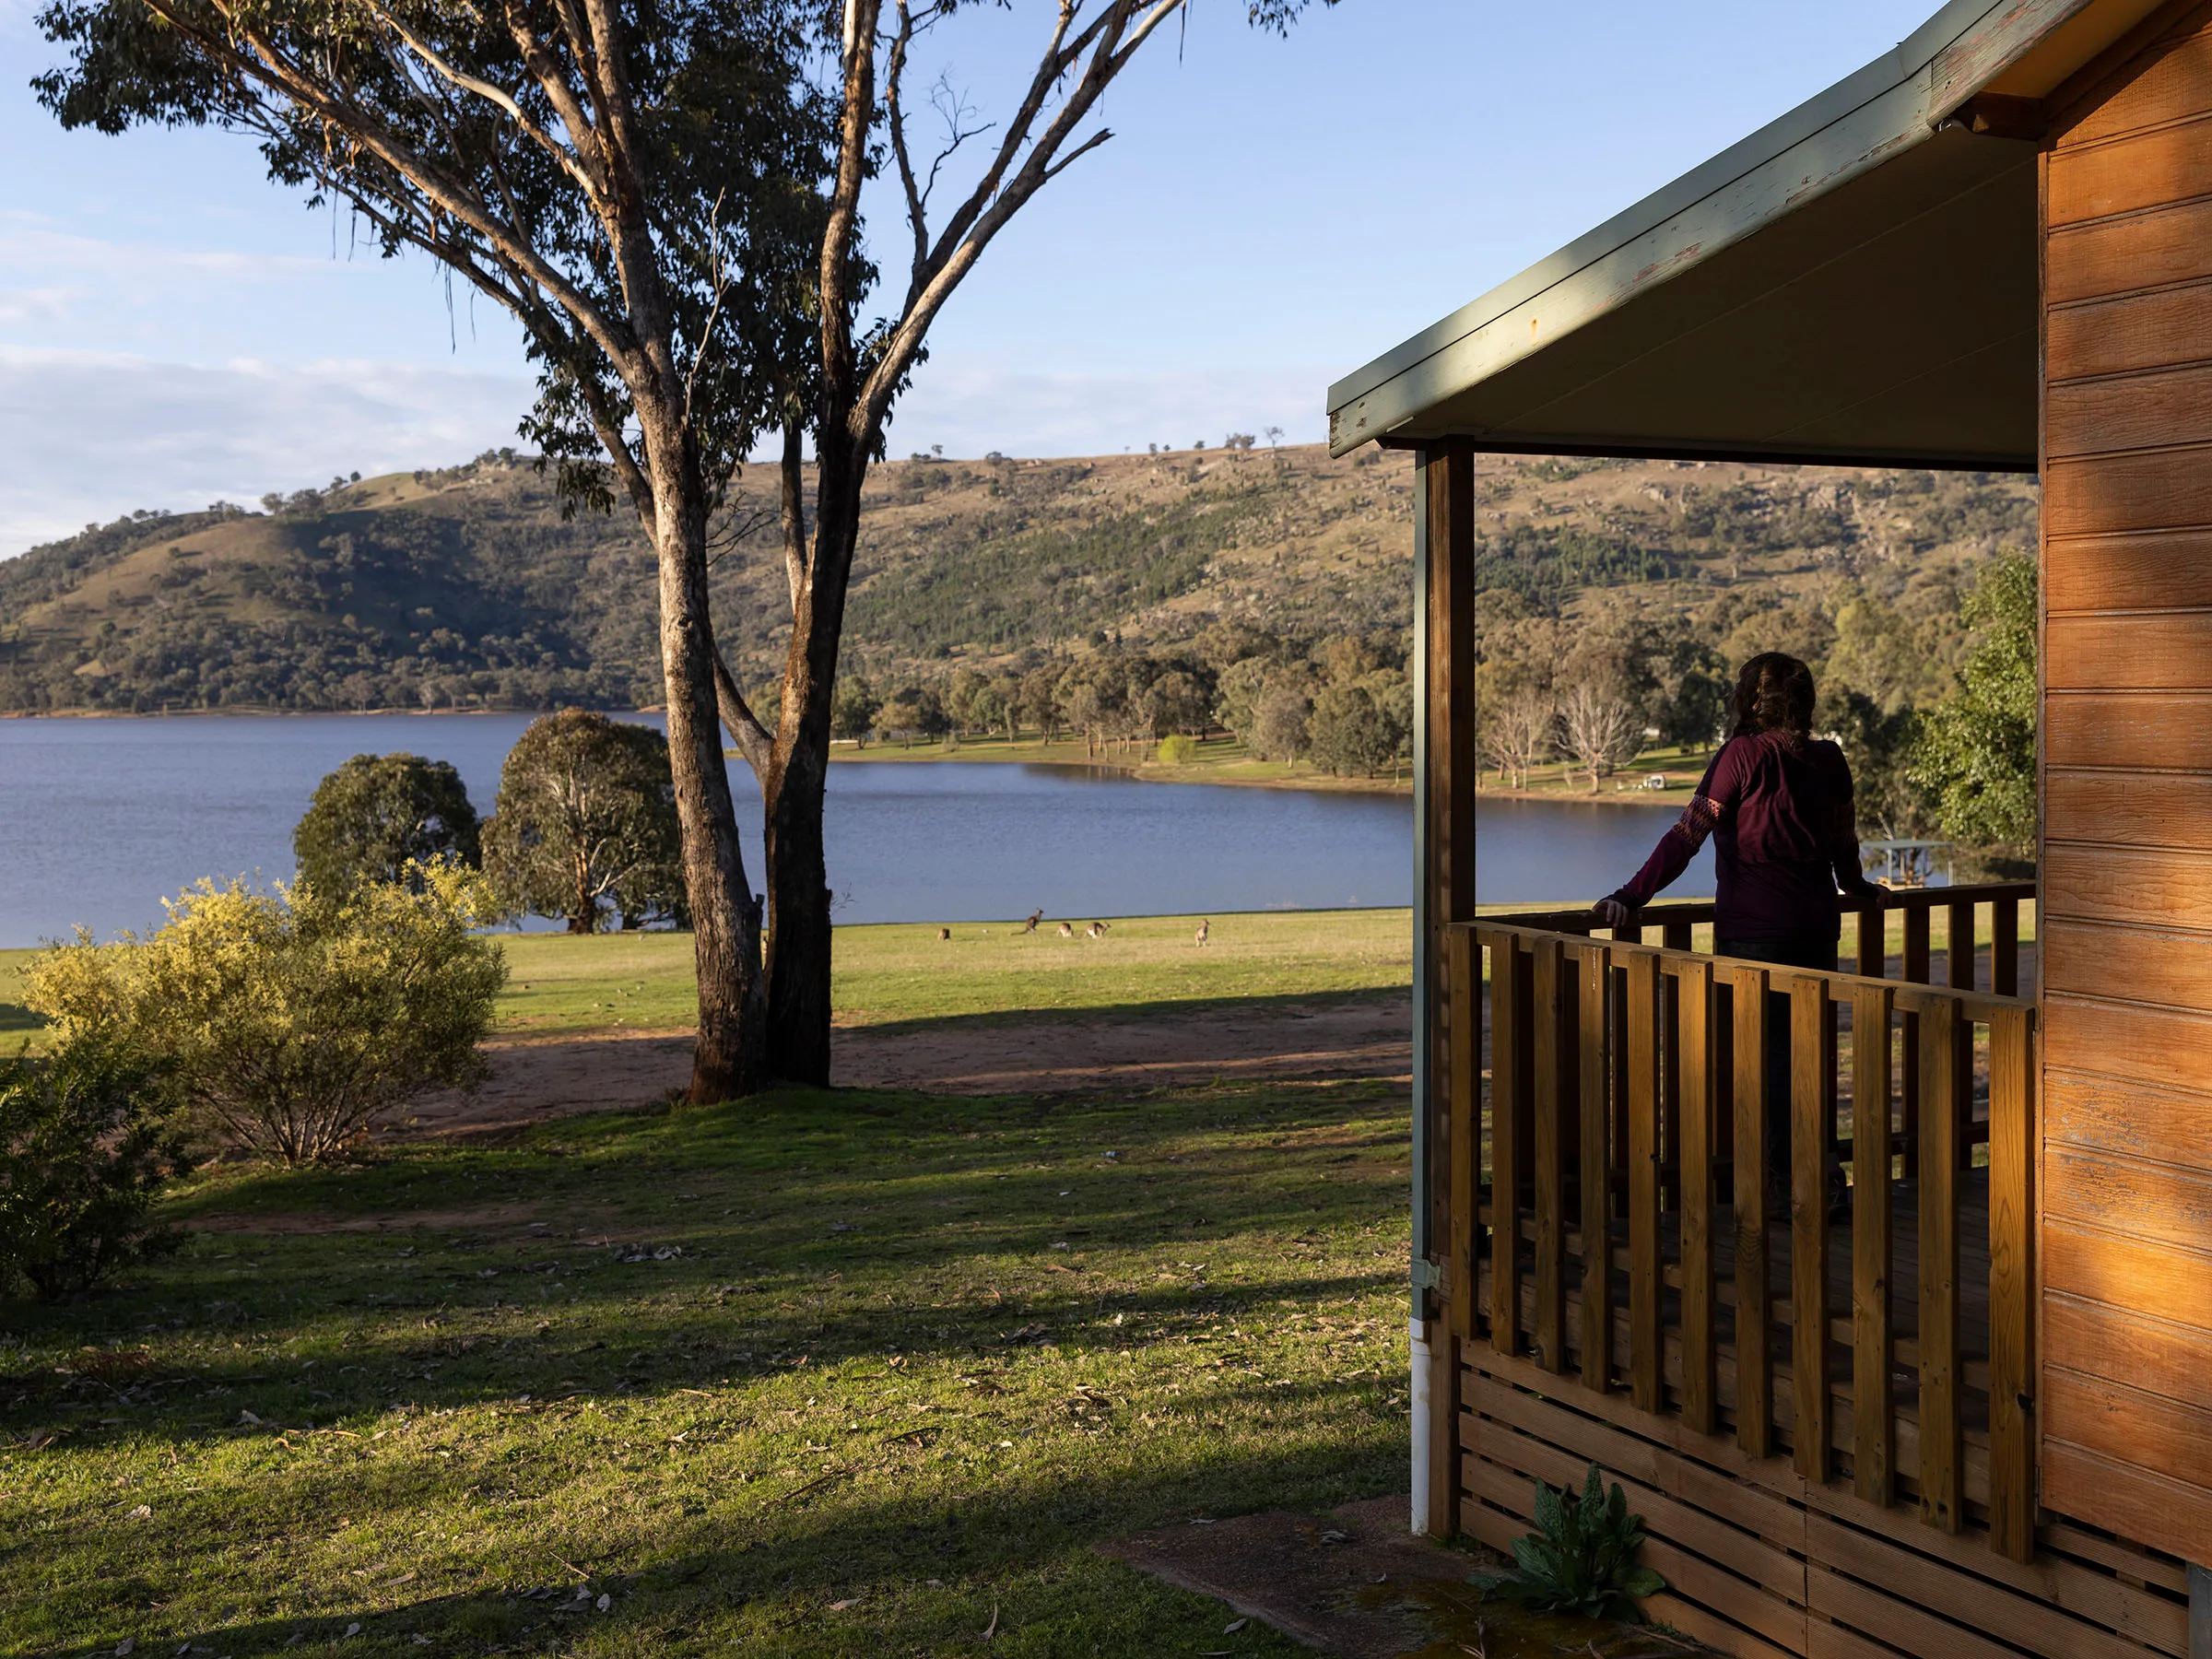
[(532, 1082), (1358, 1583)]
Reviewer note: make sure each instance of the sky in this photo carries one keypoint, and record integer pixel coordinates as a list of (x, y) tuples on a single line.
[(1268, 216)]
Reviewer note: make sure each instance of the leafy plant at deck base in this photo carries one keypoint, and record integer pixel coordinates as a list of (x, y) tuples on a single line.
[(1581, 1559), (85, 1143)]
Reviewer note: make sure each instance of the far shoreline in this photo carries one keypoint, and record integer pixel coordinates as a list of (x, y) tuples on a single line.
[(1220, 772)]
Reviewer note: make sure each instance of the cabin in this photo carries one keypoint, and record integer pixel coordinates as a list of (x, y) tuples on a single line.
[(1969, 1412)]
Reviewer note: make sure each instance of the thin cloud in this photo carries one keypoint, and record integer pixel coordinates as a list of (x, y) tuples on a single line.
[(93, 435)]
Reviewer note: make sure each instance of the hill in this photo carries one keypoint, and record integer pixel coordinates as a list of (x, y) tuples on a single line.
[(464, 587)]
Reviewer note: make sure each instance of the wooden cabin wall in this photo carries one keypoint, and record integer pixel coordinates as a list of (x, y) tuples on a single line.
[(2127, 1234)]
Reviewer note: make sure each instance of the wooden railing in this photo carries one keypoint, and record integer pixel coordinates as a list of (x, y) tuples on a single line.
[(1612, 1224)]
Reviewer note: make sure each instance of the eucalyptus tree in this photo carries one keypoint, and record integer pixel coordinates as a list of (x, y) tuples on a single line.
[(668, 196)]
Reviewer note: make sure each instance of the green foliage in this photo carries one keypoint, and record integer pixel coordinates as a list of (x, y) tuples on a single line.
[(853, 706), (1177, 750), (1975, 752), (586, 826), (86, 1141), (377, 814), (1880, 747), (1581, 1559), (289, 1020)]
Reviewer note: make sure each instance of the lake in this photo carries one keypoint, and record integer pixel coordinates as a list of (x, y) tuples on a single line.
[(101, 818)]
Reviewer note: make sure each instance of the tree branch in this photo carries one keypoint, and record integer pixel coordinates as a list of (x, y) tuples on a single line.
[(751, 738)]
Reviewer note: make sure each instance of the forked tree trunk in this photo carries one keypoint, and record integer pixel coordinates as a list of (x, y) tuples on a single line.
[(727, 1060)]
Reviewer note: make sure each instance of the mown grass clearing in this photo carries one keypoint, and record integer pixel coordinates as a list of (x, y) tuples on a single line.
[(819, 1374)]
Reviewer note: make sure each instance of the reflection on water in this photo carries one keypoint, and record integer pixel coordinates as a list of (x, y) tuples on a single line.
[(99, 819)]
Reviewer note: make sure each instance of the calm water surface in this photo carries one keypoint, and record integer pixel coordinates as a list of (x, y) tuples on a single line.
[(101, 818)]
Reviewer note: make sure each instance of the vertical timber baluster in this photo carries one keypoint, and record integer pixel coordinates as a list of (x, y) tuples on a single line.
[(2011, 1284), (1753, 1296), (1596, 1175), (1808, 1222), (1914, 971), (2004, 947), (1872, 1401), (1646, 1353), (1509, 1064), (1873, 944), (1941, 1444), (1554, 1053), (1462, 980), (1958, 947), (1699, 1366), (1676, 936)]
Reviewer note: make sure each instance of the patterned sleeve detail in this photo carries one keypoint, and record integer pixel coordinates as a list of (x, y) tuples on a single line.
[(1699, 819)]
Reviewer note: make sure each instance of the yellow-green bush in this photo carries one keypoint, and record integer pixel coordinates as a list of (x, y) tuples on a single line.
[(292, 1018), (1178, 750)]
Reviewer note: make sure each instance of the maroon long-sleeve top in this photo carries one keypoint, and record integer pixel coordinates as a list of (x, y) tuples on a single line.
[(1784, 839)]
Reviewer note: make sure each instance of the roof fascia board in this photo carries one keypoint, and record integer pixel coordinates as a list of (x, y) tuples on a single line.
[(1862, 119)]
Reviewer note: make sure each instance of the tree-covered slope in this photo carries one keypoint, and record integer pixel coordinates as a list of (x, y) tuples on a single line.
[(465, 587)]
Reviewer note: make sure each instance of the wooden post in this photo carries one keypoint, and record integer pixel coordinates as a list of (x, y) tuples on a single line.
[(1646, 1339), (1754, 1297), (1554, 1048), (1808, 1222), (1445, 837), (1874, 1405), (1694, 1030), (1873, 944), (1596, 1175), (1941, 1442), (2012, 1284)]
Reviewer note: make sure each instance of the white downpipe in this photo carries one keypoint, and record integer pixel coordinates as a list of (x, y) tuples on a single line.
[(1418, 1330)]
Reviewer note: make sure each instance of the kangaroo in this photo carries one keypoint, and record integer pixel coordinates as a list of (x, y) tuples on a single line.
[(1096, 930), (1030, 925), (1067, 930), (1205, 928), (943, 933)]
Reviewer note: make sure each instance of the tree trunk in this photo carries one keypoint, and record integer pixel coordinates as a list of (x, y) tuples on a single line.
[(798, 884), (726, 1059)]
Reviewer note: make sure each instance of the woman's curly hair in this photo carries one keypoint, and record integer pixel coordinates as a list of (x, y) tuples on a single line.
[(1774, 693)]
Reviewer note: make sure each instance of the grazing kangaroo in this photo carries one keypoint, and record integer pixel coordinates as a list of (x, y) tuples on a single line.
[(1203, 929), (1096, 930), (943, 933), (1030, 925), (1067, 930)]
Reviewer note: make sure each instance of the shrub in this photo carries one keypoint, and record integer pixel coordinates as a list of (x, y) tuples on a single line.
[(378, 812), (586, 828), (1178, 750), (1581, 1559), (291, 1019), (85, 1144)]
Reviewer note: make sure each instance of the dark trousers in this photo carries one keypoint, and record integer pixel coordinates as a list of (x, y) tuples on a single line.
[(1816, 953)]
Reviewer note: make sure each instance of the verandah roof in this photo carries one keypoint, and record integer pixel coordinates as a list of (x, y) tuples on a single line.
[(1855, 282)]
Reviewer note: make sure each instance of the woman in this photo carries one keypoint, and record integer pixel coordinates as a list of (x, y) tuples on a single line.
[(1779, 804)]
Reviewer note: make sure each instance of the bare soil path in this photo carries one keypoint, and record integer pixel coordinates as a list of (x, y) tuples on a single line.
[(1323, 1036)]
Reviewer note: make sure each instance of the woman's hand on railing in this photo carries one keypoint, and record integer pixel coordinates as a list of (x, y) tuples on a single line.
[(1611, 912)]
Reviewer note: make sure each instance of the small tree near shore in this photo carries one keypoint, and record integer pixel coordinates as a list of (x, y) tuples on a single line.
[(586, 827), (1601, 730), (377, 814), (290, 1019)]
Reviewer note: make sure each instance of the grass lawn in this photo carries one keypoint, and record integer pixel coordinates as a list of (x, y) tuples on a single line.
[(841, 1374), (892, 974)]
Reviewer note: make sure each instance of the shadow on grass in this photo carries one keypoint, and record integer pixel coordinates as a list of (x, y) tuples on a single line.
[(18, 1021), (852, 1227), (1286, 1005), (821, 1574)]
